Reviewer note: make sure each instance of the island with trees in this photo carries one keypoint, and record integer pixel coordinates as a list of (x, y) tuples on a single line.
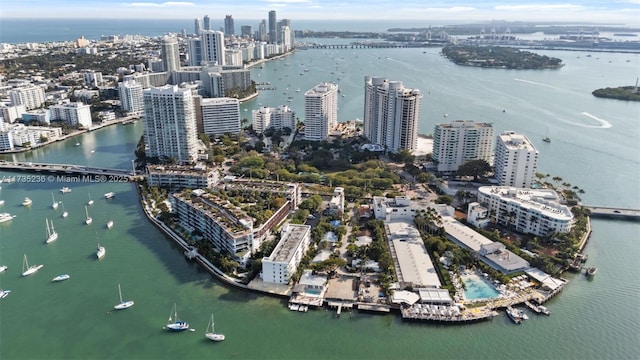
[(499, 57), (629, 93)]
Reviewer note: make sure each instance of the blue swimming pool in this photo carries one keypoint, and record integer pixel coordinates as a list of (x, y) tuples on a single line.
[(476, 289), (312, 291)]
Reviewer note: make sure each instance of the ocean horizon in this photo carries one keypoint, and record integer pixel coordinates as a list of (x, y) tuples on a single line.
[(23, 30)]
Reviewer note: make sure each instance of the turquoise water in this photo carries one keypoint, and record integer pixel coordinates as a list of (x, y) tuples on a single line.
[(478, 289), (312, 291), (73, 319)]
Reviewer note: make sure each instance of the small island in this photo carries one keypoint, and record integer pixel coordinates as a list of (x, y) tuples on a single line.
[(499, 57), (629, 93)]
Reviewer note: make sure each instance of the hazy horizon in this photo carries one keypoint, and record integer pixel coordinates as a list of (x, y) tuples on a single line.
[(616, 12)]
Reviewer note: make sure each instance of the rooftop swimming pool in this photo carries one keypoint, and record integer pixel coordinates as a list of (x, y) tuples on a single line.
[(476, 288)]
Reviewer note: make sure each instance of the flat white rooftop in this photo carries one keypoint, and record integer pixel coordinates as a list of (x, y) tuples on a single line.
[(415, 263), (464, 234)]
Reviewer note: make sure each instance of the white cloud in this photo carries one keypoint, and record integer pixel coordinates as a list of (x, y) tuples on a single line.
[(538, 7)]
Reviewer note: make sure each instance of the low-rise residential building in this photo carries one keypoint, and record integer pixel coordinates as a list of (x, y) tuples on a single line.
[(285, 258), (530, 211), (336, 204), (398, 208), (477, 215), (182, 176)]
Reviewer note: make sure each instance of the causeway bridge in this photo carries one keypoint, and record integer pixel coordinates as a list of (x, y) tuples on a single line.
[(62, 169), (613, 213)]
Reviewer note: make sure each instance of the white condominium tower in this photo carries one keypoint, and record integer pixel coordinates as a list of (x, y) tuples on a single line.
[(27, 94), (170, 123), (74, 114), (212, 46), (391, 114), (220, 115), (131, 97), (320, 111), (460, 141), (170, 54), (276, 118), (516, 160)]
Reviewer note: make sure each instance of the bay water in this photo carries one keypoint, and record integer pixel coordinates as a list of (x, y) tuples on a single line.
[(594, 145)]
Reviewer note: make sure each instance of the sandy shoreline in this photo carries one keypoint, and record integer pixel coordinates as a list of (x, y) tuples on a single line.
[(425, 146)]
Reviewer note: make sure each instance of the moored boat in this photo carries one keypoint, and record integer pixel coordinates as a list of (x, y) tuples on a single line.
[(65, 190), (591, 271), (3, 268), (4, 293), (174, 324), (27, 201), (29, 270), (109, 224), (123, 304), (514, 315), (61, 277), (211, 334), (109, 195), (6, 217), (100, 252), (52, 235)]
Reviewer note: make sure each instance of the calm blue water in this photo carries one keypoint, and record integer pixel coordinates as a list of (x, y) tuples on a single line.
[(478, 289), (46, 30)]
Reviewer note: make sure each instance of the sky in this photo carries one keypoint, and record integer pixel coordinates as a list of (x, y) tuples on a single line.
[(625, 12)]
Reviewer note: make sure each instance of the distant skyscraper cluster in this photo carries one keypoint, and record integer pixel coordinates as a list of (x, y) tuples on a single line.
[(391, 114)]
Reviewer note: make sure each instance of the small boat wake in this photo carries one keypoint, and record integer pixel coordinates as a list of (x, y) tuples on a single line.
[(536, 83), (604, 124)]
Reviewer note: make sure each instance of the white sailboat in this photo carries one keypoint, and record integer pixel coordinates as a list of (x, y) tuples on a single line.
[(546, 137), (90, 202), (54, 205), (89, 219), (109, 224), (52, 235), (211, 334), (100, 252), (174, 324), (123, 304), (64, 212), (29, 270)]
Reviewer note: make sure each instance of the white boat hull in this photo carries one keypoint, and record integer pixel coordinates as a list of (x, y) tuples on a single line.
[(214, 337), (61, 278), (124, 305), (32, 270)]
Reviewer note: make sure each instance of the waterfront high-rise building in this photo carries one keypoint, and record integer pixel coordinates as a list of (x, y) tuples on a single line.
[(27, 94), (460, 141), (220, 116), (194, 51), (74, 114), (170, 124), (229, 27), (212, 47), (207, 23), (170, 54), (320, 111), (273, 31), (515, 160), (131, 97), (276, 118), (391, 114), (198, 27)]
